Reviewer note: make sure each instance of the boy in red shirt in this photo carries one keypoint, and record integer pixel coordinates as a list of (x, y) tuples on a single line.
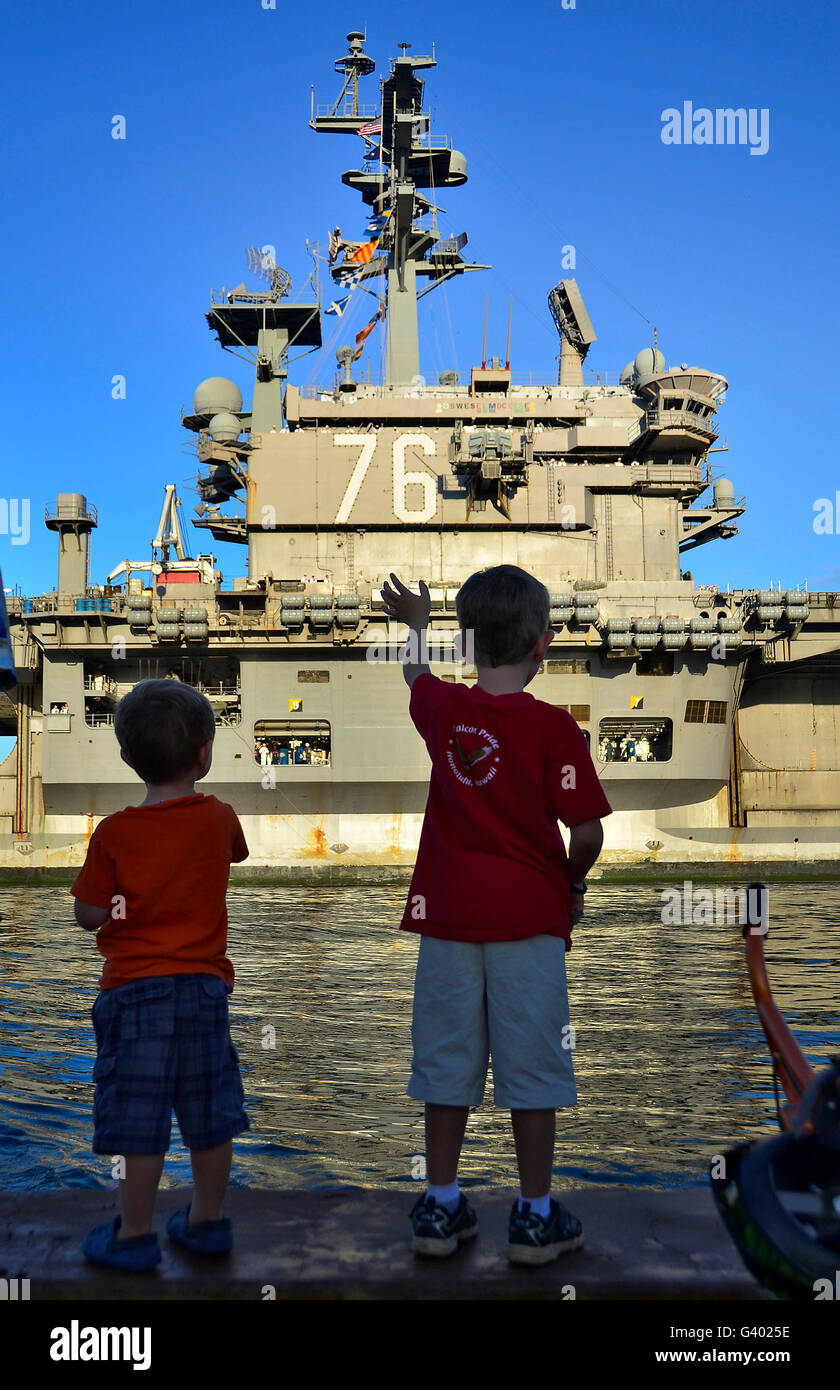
[(493, 897), (153, 889)]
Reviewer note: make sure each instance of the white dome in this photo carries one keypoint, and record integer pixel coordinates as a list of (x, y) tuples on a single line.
[(649, 363), (217, 394), (224, 427)]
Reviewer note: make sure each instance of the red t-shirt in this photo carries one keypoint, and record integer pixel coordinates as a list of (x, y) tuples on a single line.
[(170, 862), (491, 864)]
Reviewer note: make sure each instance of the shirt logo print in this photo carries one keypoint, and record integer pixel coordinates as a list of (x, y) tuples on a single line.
[(468, 755), (469, 759)]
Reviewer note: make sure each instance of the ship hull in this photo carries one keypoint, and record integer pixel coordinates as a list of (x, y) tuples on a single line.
[(762, 786)]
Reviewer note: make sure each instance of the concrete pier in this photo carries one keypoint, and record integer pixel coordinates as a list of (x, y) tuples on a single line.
[(356, 1244)]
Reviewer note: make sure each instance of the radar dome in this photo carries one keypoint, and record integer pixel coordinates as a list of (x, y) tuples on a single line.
[(724, 493), (628, 376), (224, 427), (649, 363), (217, 394)]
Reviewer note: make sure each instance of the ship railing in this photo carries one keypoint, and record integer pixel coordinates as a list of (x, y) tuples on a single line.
[(433, 388), (669, 419), (363, 112), (188, 411), (72, 512), (439, 142), (218, 688), (97, 720), (46, 603), (677, 472)]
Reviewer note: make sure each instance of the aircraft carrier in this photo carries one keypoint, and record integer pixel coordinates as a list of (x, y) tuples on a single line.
[(711, 713)]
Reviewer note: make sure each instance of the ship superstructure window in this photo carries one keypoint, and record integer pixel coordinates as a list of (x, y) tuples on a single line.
[(292, 742), (218, 681), (705, 712), (568, 667), (580, 713), (313, 677), (655, 663), (634, 740)]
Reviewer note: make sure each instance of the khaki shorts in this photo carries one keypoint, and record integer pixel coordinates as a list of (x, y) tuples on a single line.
[(502, 999)]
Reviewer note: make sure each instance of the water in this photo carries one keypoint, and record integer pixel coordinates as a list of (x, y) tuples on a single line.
[(671, 1064)]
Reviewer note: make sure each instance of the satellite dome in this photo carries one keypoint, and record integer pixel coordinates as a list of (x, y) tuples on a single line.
[(217, 394), (628, 376), (649, 363), (224, 427), (724, 493)]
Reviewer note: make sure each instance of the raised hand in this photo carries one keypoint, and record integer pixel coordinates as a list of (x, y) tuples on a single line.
[(406, 607)]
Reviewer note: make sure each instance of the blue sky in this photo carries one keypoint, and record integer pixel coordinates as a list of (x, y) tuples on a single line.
[(111, 247)]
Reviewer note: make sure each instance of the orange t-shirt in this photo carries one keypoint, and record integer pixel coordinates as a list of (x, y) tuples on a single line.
[(168, 867)]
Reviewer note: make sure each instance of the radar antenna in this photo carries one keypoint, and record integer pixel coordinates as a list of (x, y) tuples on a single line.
[(279, 280), (576, 332)]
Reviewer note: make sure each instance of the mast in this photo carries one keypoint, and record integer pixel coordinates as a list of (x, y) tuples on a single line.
[(403, 249)]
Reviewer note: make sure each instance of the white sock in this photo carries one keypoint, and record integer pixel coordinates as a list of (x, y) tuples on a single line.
[(448, 1196), (540, 1205)]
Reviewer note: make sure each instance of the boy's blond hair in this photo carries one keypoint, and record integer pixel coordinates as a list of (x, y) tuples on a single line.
[(506, 609), (160, 726)]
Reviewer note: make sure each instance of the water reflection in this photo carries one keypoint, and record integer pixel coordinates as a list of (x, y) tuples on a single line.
[(670, 1061)]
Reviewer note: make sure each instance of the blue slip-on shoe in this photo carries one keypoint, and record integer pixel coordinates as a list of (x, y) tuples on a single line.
[(135, 1255), (437, 1231), (202, 1238), (535, 1240)]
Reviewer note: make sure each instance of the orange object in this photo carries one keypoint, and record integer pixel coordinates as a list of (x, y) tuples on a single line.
[(163, 870), (791, 1066), (364, 253)]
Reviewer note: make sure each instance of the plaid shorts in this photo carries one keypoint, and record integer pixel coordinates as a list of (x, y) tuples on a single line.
[(163, 1044)]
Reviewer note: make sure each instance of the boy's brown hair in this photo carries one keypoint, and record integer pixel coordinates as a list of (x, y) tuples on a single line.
[(160, 726), (506, 609)]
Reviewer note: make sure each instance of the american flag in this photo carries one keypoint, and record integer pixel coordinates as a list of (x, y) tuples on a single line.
[(371, 128)]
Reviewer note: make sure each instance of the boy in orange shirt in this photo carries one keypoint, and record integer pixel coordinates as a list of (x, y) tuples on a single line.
[(153, 888)]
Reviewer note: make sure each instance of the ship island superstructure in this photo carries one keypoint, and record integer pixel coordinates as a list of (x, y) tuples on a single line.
[(710, 713)]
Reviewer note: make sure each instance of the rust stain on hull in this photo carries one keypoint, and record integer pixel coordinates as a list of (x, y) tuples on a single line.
[(392, 834), (316, 842)]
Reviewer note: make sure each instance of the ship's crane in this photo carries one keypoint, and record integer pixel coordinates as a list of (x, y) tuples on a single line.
[(169, 534), (169, 527)]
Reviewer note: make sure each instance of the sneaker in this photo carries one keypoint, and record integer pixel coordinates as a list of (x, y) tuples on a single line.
[(535, 1240), (201, 1237), (437, 1230), (134, 1256)]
